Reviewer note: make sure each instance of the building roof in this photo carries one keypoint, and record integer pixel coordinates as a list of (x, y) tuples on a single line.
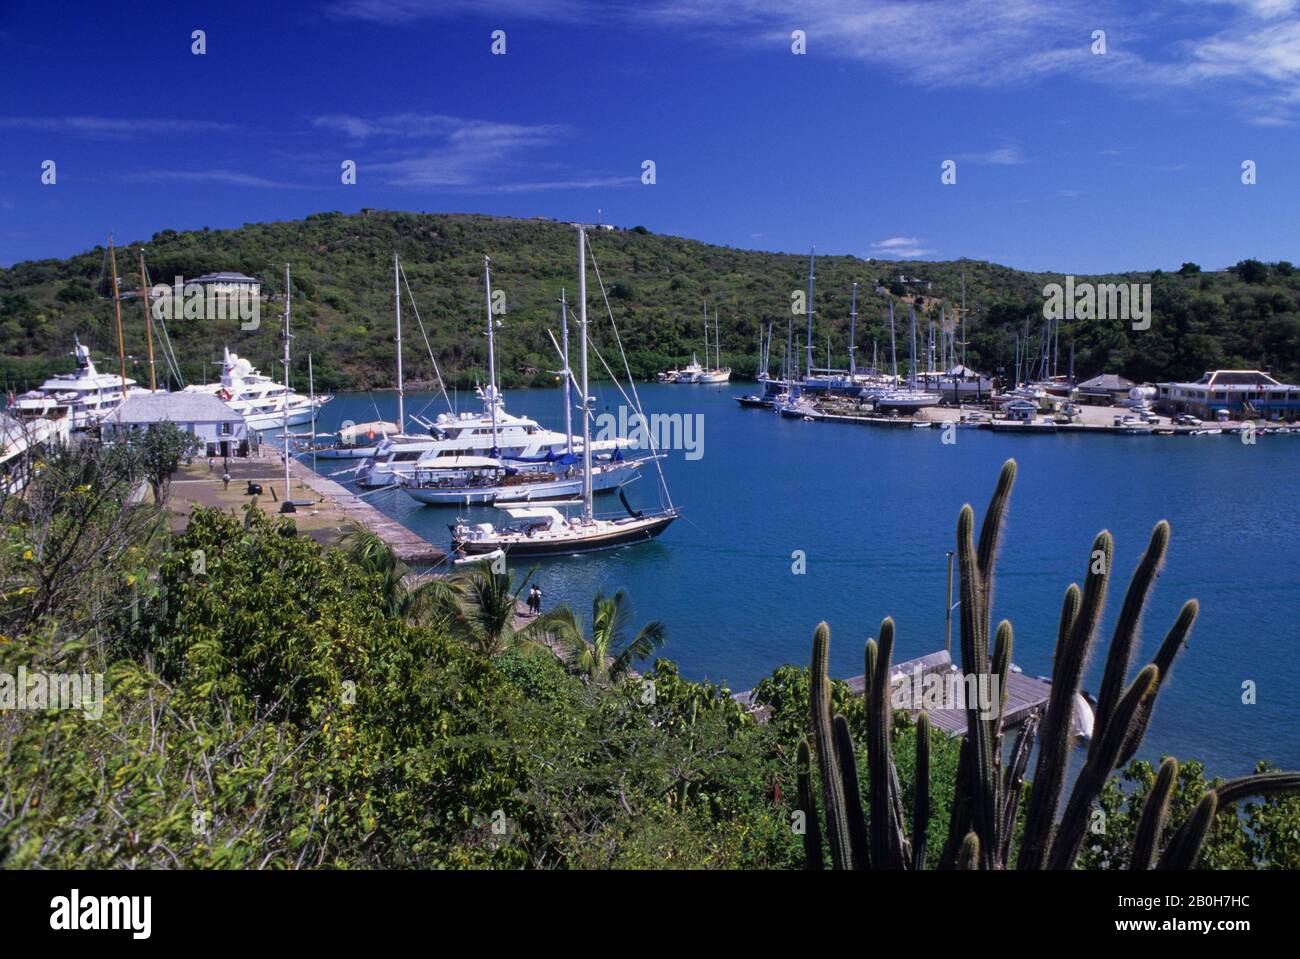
[(1107, 381), (1241, 379), (173, 408), (225, 278)]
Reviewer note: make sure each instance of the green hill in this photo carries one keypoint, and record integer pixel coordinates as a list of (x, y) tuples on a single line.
[(1247, 316)]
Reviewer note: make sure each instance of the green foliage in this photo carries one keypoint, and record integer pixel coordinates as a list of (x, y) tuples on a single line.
[(656, 285)]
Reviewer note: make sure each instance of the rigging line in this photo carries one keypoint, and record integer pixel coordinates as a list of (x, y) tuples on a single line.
[(164, 340), (442, 386), (630, 381)]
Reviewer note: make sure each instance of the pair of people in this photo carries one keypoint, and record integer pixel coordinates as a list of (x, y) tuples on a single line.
[(534, 600)]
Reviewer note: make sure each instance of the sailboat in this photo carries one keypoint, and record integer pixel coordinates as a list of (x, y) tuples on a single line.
[(543, 530), (455, 479), (910, 399), (717, 374)]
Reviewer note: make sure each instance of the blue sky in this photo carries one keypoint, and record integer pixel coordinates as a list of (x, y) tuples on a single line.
[(1067, 160)]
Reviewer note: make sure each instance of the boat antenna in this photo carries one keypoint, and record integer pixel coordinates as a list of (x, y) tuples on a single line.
[(437, 371)]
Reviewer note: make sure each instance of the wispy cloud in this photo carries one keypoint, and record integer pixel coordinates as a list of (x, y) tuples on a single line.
[(437, 151), (900, 248), (113, 127), (221, 177), (1166, 46), (1002, 156)]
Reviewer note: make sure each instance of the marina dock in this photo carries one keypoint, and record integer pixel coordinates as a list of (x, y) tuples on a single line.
[(324, 508), (920, 683)]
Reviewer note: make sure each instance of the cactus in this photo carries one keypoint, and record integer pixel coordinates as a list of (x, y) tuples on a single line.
[(986, 796), (837, 828), (812, 835), (1154, 811), (921, 799)]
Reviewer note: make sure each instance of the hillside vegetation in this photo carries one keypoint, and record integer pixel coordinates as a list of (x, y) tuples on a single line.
[(1246, 316)]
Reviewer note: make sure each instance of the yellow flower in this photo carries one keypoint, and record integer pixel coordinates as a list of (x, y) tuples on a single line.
[(27, 554), (130, 580)]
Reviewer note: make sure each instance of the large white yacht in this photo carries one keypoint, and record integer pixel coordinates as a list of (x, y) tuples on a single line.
[(83, 396), (257, 397), (518, 440)]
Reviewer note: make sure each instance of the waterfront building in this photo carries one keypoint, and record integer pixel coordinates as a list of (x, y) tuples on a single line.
[(1244, 394), (220, 430)]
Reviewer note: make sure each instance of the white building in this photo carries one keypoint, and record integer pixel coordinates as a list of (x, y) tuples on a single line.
[(219, 429), (228, 284), (1244, 394), (19, 440)]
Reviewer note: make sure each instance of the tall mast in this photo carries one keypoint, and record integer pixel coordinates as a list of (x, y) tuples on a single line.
[(582, 331), (117, 307), (492, 354), (911, 351), (893, 351), (809, 308), (853, 326), (568, 373), (706, 332), (148, 324), (285, 399), (311, 393), (963, 317), (401, 396), (717, 339)]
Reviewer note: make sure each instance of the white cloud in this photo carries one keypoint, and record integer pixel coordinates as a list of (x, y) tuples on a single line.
[(900, 248), (1002, 156), (222, 177), (113, 127)]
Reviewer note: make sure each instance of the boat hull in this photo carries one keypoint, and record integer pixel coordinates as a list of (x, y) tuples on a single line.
[(633, 531)]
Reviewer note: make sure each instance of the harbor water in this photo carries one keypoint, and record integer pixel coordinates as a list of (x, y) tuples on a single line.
[(786, 523)]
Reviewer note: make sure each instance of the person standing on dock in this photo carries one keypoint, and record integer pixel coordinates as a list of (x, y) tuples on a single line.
[(537, 600), (225, 481)]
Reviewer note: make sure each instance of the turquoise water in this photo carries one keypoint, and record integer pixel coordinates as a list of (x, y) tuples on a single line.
[(875, 510)]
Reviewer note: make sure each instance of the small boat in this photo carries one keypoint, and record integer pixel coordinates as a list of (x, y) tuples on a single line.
[(359, 440), (470, 560), (754, 401)]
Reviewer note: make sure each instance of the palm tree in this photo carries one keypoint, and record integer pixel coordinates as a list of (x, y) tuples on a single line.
[(607, 654), (483, 615), (432, 598)]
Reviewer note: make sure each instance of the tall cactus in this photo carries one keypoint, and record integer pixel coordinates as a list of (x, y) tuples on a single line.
[(986, 796), (837, 826)]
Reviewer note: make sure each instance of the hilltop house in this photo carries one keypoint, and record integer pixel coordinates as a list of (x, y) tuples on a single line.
[(1244, 394), (227, 284), (219, 429)]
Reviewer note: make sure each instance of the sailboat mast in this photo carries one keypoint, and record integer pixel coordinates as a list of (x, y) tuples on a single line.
[(117, 307), (401, 393), (582, 335), (492, 354), (148, 324), (311, 394), (284, 400), (809, 308), (568, 374), (706, 332), (853, 331), (717, 339), (911, 351), (893, 349)]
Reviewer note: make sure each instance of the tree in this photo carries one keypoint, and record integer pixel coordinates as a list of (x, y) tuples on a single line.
[(1251, 271), (160, 449), (483, 615), (1189, 269), (607, 654), (402, 593)]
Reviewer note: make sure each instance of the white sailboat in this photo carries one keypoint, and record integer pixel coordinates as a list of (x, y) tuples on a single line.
[(545, 530), (910, 399), (717, 374)]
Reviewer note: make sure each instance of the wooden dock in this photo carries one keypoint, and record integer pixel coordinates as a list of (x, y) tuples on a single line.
[(934, 683), (408, 547)]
